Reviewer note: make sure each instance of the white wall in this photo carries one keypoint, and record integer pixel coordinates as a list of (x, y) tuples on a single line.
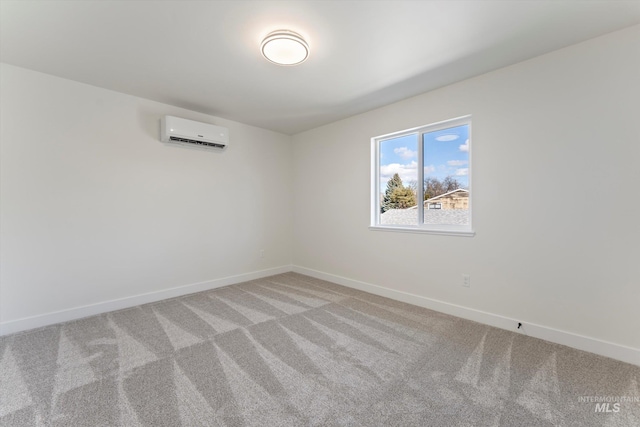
[(95, 208), (556, 152)]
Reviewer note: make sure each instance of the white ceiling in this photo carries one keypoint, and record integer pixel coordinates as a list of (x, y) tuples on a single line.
[(204, 55)]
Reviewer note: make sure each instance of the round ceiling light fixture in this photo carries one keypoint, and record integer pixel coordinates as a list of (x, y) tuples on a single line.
[(284, 47)]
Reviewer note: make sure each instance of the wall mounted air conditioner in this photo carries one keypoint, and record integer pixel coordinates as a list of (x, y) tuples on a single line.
[(195, 134)]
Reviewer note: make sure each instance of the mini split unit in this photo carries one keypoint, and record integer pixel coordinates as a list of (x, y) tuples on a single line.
[(195, 134)]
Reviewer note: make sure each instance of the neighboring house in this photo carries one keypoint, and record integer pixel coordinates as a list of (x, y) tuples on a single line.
[(447, 208), (456, 199)]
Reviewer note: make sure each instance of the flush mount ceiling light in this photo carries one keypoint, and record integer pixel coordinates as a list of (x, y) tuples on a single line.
[(284, 47)]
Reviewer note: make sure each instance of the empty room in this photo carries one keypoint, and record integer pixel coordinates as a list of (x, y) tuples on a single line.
[(211, 213)]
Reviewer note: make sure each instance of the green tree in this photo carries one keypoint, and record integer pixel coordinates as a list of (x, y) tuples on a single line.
[(403, 197), (397, 196), (392, 184)]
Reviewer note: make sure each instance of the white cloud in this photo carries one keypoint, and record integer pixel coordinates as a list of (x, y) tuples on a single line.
[(429, 169), (447, 137), (407, 172), (457, 162), (405, 153), (465, 146), (462, 172)]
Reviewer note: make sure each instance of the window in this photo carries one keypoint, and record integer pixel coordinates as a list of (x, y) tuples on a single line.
[(421, 179)]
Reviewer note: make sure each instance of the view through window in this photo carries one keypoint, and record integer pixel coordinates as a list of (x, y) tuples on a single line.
[(422, 178)]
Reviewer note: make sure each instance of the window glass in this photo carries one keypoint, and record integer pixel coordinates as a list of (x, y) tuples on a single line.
[(421, 179), (446, 176), (398, 178)]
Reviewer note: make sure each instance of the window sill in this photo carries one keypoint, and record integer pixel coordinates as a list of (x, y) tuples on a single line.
[(422, 230)]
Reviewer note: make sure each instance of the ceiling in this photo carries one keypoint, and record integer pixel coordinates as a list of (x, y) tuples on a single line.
[(205, 56)]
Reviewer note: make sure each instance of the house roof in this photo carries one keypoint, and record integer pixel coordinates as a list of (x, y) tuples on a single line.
[(431, 216), (459, 190)]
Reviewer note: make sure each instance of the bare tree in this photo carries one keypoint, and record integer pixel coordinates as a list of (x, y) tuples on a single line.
[(433, 187)]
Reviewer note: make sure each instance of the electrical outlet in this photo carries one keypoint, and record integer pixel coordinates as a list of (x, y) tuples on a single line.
[(466, 280), (261, 253)]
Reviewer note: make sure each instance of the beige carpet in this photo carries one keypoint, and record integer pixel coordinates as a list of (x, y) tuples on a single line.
[(290, 350)]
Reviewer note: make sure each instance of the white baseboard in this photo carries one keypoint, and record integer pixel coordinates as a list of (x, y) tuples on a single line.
[(47, 319), (580, 342)]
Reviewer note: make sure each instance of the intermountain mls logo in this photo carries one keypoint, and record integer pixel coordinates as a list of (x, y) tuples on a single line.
[(608, 404)]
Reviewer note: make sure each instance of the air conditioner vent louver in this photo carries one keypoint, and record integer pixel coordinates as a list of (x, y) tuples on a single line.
[(190, 133), (193, 141)]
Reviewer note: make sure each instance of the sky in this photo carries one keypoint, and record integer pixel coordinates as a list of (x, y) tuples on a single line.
[(446, 152)]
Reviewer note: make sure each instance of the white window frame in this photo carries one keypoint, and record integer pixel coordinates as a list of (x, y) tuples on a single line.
[(445, 229)]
